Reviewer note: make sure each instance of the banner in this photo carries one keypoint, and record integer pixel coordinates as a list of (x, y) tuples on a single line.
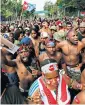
[(31, 7), (12, 48)]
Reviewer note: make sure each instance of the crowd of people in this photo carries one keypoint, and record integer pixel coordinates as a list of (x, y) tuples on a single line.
[(49, 66)]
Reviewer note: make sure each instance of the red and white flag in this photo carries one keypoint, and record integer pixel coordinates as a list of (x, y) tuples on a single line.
[(25, 5), (28, 6)]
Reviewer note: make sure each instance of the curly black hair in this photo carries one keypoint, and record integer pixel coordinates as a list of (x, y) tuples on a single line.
[(83, 67)]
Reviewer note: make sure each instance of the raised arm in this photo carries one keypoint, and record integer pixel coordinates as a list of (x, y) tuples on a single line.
[(4, 59)]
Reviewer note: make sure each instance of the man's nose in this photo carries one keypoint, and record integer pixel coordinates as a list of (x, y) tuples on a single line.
[(54, 80)]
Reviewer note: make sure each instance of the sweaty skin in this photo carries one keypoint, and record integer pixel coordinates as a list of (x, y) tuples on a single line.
[(71, 49), (44, 56)]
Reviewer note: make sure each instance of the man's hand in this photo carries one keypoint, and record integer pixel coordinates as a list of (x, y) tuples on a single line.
[(75, 85), (83, 86), (36, 98), (34, 71), (18, 59)]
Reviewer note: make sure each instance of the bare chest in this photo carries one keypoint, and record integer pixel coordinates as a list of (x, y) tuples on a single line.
[(70, 50)]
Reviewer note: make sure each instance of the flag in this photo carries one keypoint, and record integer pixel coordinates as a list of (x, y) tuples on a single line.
[(25, 5), (31, 7), (28, 6)]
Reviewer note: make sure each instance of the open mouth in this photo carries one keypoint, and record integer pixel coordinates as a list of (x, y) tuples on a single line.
[(76, 40), (25, 58)]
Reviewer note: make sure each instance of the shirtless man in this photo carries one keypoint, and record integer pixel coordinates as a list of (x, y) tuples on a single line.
[(35, 40), (43, 90), (51, 53), (45, 27), (20, 67), (71, 49)]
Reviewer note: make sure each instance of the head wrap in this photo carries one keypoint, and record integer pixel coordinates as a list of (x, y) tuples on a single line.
[(50, 43), (49, 65)]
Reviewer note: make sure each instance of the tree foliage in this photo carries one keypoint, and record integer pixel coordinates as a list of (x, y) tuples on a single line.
[(65, 7), (50, 7), (12, 8)]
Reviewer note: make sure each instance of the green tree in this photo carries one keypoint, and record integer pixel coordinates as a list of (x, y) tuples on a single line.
[(51, 8), (13, 9), (73, 6)]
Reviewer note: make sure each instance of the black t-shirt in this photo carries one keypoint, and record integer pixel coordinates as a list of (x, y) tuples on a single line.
[(12, 95), (80, 37), (82, 68)]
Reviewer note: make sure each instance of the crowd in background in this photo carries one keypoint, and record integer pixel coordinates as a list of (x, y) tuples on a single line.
[(42, 42)]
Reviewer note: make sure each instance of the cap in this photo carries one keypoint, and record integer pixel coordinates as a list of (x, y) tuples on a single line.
[(11, 27), (59, 36), (82, 24), (25, 40), (44, 35), (49, 65), (27, 28), (53, 28)]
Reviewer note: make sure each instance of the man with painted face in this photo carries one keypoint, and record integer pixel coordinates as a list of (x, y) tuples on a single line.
[(71, 50), (22, 69), (51, 87), (32, 59)]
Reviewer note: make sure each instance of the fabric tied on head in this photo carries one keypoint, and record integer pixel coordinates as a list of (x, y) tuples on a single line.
[(50, 43), (21, 49), (49, 65)]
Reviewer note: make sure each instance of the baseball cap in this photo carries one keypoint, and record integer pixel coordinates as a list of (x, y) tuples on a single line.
[(27, 28), (25, 40), (82, 24), (59, 36), (44, 35), (11, 27), (53, 28)]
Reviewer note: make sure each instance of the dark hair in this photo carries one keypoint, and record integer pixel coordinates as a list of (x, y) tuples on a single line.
[(47, 61), (34, 29), (9, 54), (82, 67), (17, 34), (45, 21), (37, 27)]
